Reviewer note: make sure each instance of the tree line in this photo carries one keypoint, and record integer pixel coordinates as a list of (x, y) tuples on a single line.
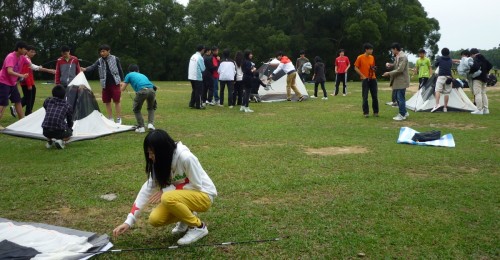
[(161, 35)]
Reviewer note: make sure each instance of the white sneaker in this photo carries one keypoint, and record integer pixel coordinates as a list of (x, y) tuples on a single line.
[(118, 121), (445, 109), (477, 112), (180, 228), (13, 111), (220, 105), (399, 117), (486, 111), (140, 129), (193, 235), (151, 127), (49, 144), (248, 110), (344, 95), (407, 115), (324, 98), (242, 108), (59, 144), (231, 106), (314, 97), (435, 108), (212, 103)]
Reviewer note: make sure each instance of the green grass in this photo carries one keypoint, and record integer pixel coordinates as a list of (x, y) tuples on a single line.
[(394, 201)]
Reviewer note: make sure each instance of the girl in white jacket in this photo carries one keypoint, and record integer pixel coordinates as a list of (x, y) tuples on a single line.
[(178, 182)]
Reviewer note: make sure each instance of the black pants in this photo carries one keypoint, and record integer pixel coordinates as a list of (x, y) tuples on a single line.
[(340, 77), (247, 86), (421, 82), (322, 87), (371, 86), (207, 89), (28, 99), (197, 87), (57, 133), (238, 92), (230, 90)]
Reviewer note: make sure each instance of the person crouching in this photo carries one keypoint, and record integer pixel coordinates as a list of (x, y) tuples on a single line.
[(58, 122)]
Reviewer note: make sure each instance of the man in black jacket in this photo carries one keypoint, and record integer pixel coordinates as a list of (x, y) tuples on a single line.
[(479, 82)]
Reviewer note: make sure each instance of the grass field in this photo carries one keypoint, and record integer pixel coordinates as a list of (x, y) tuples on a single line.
[(362, 194)]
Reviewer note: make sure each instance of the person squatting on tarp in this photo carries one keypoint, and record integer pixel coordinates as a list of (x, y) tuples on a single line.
[(58, 122), (179, 186)]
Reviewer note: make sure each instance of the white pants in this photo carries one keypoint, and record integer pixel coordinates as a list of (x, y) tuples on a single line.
[(479, 90)]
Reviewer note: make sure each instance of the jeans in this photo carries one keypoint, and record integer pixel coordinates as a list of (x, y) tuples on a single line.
[(197, 87), (230, 99), (400, 97), (148, 95), (371, 86), (216, 88)]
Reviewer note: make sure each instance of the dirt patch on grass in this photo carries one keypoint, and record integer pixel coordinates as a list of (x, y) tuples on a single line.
[(326, 151), (458, 126), (259, 144), (267, 114)]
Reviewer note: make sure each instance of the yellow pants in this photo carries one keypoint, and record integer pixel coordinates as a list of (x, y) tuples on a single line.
[(290, 84), (178, 205)]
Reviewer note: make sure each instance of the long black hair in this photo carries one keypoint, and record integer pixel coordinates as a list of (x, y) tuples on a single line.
[(163, 147), (247, 54), (238, 57)]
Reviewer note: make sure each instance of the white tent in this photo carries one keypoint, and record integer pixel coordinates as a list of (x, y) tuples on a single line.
[(89, 123), (277, 90), (424, 99)]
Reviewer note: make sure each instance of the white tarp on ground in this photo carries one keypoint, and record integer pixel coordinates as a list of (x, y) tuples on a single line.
[(277, 91), (406, 134), (89, 123), (40, 241)]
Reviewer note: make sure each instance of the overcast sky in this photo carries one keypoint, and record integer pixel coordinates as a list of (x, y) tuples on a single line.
[(463, 24)]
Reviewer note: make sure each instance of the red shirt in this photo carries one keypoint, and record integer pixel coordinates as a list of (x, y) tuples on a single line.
[(215, 62), (342, 62), (29, 81)]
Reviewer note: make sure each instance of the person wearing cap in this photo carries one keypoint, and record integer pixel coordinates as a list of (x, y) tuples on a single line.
[(479, 82), (423, 68)]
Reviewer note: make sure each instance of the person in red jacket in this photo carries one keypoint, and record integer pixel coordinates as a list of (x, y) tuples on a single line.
[(215, 73), (67, 67), (28, 84)]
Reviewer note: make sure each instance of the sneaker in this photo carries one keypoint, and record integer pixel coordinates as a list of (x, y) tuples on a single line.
[(140, 129), (301, 99), (344, 95), (248, 110), (231, 106), (407, 115), (314, 97), (366, 115), (389, 103), (333, 95), (193, 235), (118, 121), (445, 109), (220, 105), (242, 108), (151, 127), (399, 117), (49, 144), (180, 228), (375, 114), (395, 104), (288, 99), (59, 144), (435, 108), (212, 103), (486, 111), (477, 112), (13, 111), (206, 102), (324, 98)]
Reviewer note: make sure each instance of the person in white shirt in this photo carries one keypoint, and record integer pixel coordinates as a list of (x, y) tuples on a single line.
[(178, 184), (287, 66), (227, 73)]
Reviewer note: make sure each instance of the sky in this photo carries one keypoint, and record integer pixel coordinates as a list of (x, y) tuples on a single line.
[(464, 24)]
